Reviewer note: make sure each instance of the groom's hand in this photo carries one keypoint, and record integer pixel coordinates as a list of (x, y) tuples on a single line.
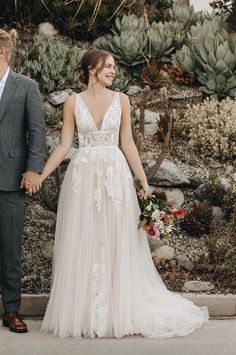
[(31, 181)]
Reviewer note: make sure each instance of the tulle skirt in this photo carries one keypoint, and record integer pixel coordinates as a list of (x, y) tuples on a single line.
[(104, 282)]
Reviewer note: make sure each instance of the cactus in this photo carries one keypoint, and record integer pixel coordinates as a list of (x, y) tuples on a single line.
[(198, 220)]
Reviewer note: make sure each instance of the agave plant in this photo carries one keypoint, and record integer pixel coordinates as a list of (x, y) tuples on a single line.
[(160, 39), (121, 81), (183, 14), (129, 42), (185, 59), (210, 52), (198, 219)]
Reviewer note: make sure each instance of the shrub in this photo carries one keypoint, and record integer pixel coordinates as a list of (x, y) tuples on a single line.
[(210, 128)]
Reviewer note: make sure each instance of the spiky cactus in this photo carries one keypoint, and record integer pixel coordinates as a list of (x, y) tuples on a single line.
[(198, 219)]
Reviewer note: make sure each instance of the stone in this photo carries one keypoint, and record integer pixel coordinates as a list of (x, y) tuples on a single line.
[(201, 193), (150, 117), (47, 251), (167, 175), (40, 212), (234, 177), (215, 165), (165, 252), (175, 197), (195, 181), (48, 29), (219, 217), (198, 286), (134, 90), (51, 143), (58, 97), (154, 244), (184, 262)]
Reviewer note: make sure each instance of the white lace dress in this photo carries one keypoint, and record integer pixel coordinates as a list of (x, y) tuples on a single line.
[(104, 281)]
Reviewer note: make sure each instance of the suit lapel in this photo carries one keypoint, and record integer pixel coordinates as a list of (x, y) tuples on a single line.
[(8, 91)]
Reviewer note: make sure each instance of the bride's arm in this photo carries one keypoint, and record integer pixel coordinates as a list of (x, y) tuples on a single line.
[(66, 139), (128, 146)]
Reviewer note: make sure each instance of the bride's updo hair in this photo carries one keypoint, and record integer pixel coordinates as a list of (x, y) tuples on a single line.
[(8, 40), (91, 58)]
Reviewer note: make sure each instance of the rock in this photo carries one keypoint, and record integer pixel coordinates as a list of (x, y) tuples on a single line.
[(48, 29), (195, 181), (184, 262), (51, 143), (225, 183), (150, 129), (198, 286), (47, 251), (175, 197), (58, 97), (134, 90), (47, 106), (154, 244), (167, 175), (201, 193), (151, 121), (40, 212), (219, 217), (215, 165), (165, 252), (234, 177)]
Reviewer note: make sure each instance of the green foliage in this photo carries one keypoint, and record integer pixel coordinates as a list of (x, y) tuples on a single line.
[(52, 115), (52, 63), (214, 190), (211, 53), (121, 81), (210, 128), (134, 41), (129, 41), (85, 19)]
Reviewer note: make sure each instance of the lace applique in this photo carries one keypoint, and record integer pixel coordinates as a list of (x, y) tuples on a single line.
[(99, 139)]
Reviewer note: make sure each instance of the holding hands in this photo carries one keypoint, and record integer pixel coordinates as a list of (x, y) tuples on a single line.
[(31, 181)]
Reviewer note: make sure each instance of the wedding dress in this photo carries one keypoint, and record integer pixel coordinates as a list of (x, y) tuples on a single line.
[(104, 281)]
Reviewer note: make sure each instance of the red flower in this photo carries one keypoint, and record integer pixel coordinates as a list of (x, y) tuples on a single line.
[(151, 232), (178, 213)]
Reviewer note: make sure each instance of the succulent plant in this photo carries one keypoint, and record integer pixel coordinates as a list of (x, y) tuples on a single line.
[(51, 62), (183, 14), (210, 52), (160, 40), (185, 59), (152, 75), (198, 219), (129, 40), (121, 81)]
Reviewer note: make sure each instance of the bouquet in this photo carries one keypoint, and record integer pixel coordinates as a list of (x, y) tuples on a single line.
[(157, 216)]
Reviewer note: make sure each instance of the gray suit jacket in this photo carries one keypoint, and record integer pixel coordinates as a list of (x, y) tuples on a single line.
[(22, 131)]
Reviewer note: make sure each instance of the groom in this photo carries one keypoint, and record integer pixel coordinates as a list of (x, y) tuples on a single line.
[(21, 158)]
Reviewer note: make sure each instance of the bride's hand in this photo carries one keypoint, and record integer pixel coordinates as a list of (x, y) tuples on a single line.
[(145, 192)]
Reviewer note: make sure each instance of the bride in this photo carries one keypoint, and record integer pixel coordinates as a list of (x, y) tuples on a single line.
[(104, 282)]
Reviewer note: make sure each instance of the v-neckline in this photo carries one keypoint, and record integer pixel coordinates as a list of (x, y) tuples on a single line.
[(104, 116)]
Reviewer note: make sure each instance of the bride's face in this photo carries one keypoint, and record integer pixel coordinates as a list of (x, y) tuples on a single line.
[(106, 74)]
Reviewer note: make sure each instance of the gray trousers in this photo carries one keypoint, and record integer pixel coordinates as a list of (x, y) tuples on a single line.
[(12, 207)]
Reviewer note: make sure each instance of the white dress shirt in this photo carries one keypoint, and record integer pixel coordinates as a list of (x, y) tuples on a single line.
[(3, 81)]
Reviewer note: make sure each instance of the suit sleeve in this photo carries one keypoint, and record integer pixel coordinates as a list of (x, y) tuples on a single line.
[(35, 129)]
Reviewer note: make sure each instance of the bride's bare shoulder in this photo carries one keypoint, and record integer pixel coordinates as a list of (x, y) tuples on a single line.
[(70, 102)]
